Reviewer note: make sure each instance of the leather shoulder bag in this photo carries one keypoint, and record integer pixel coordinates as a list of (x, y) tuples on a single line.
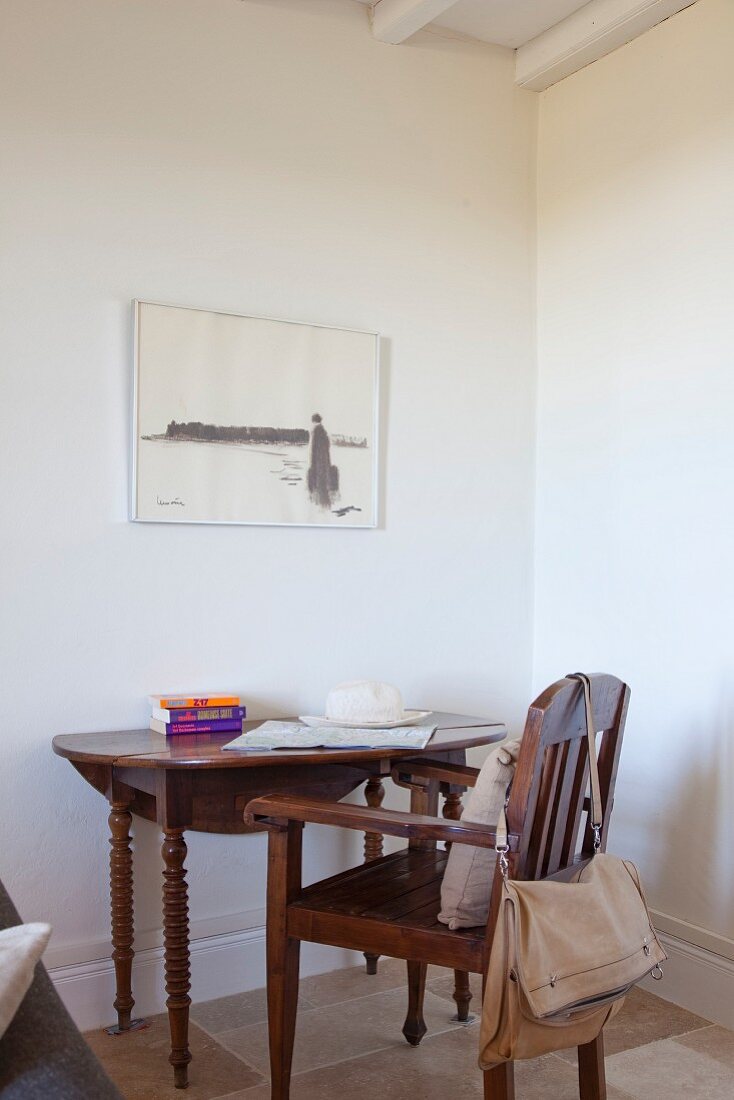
[(565, 953)]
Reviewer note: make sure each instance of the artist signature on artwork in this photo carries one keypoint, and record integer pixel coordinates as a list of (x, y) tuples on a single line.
[(167, 503)]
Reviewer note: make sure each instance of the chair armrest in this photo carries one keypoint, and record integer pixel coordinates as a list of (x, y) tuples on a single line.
[(460, 775), (276, 810)]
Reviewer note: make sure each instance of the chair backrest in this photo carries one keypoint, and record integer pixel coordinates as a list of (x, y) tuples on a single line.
[(548, 797)]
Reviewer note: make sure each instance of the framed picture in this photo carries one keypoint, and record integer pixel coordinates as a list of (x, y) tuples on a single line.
[(250, 420)]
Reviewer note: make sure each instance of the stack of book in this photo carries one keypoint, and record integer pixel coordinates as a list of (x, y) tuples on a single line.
[(187, 714)]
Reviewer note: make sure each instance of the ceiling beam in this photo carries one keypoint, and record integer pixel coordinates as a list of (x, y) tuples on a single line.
[(588, 34), (395, 20)]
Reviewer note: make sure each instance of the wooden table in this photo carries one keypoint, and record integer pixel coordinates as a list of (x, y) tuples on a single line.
[(190, 783)]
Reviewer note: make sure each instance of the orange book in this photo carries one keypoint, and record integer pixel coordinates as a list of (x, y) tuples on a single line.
[(187, 702)]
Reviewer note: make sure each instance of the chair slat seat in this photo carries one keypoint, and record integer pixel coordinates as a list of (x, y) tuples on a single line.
[(402, 893)]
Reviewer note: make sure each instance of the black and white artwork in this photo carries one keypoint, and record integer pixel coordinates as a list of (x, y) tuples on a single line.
[(250, 420)]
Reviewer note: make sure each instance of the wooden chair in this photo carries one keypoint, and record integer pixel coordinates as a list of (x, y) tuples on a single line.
[(389, 906)]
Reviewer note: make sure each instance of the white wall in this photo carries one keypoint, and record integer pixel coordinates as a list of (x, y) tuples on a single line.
[(635, 540), (268, 158)]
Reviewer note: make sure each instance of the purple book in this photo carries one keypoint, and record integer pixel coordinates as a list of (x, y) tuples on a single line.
[(198, 714), (221, 725)]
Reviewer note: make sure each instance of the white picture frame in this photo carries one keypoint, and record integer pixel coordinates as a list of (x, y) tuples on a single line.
[(251, 420)]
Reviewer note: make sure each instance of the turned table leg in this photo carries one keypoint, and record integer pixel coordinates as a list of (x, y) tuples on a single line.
[(176, 941), (121, 906), (374, 793), (452, 808)]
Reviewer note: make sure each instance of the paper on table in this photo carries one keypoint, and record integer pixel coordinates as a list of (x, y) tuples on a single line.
[(291, 735)]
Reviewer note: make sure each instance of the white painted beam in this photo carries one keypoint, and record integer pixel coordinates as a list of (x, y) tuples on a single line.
[(395, 20), (588, 34)]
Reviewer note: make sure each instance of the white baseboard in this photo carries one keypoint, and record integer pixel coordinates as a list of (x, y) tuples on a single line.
[(221, 964), (692, 933), (697, 979)]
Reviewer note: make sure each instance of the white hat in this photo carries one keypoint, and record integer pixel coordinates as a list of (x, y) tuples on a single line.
[(365, 703)]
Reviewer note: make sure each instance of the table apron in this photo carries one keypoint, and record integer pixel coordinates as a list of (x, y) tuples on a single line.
[(213, 800)]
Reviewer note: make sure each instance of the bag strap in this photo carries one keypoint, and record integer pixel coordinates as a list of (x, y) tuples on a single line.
[(597, 816)]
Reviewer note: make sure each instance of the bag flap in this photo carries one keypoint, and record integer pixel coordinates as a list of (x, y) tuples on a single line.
[(584, 939)]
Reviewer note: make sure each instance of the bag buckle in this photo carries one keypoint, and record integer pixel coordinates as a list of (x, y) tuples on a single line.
[(502, 851), (597, 837)]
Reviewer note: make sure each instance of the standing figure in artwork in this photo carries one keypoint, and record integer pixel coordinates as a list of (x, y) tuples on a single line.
[(323, 478)]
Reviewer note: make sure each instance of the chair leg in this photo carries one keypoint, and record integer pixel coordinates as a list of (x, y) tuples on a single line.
[(284, 874), (592, 1078), (414, 1027), (462, 995), (499, 1082), (371, 963), (282, 1007)]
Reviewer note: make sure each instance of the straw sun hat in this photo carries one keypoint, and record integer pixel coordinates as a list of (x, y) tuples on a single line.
[(363, 703)]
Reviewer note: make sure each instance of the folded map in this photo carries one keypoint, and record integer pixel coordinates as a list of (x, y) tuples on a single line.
[(292, 735)]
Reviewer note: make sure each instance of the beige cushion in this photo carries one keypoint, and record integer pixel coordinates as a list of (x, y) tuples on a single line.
[(20, 949), (467, 880)]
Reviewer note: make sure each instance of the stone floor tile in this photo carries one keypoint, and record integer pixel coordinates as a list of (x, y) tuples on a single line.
[(225, 1013), (244, 1094), (345, 985), (138, 1063), (239, 1010), (541, 1079), (644, 1018), (442, 1067), (670, 1070), (247, 1094), (338, 1032), (716, 1042)]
